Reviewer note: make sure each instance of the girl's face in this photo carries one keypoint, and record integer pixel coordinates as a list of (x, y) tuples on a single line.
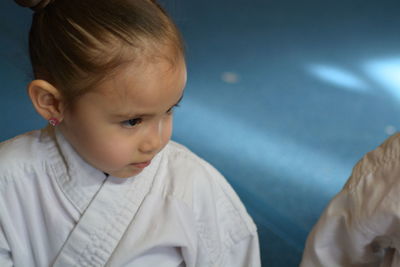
[(120, 126)]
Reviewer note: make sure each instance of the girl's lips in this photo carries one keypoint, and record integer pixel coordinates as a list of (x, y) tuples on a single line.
[(142, 165)]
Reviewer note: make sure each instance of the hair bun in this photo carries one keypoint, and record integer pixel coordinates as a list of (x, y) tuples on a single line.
[(34, 4)]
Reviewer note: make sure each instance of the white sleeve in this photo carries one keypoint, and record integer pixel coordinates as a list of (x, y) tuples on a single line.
[(227, 234), (335, 240), (245, 253), (5, 254), (359, 224)]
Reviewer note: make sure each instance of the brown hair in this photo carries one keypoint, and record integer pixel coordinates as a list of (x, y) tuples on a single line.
[(75, 44)]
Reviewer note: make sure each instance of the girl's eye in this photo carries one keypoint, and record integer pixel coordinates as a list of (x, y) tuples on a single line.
[(132, 122)]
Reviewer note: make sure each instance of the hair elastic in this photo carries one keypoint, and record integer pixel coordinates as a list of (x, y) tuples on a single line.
[(54, 121)]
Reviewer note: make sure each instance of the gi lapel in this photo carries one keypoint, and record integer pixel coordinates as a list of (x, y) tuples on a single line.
[(102, 225)]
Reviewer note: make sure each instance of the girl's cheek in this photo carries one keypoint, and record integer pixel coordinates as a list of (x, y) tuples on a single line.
[(111, 148)]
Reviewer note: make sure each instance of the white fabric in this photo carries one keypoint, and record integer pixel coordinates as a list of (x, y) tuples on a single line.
[(56, 210), (361, 225)]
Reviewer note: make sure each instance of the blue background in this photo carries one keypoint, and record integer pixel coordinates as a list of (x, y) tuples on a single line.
[(283, 97)]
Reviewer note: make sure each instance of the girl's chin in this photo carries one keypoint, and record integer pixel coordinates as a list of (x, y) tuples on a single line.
[(128, 173)]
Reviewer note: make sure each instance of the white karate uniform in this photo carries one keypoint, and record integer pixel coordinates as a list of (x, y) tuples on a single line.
[(361, 225), (56, 210)]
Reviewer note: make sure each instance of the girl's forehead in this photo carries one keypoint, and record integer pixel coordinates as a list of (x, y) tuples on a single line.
[(156, 62), (142, 85)]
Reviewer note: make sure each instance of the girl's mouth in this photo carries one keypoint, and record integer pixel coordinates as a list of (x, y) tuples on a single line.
[(141, 165)]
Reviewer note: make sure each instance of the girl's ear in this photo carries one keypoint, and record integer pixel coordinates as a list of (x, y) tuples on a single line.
[(46, 99)]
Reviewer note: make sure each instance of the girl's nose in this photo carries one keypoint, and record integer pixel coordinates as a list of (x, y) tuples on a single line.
[(152, 138)]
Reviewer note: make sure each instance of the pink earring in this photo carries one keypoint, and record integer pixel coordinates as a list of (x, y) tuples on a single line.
[(54, 121)]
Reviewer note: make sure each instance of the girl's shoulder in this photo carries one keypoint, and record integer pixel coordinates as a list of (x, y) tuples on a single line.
[(179, 153), (19, 147), (182, 164), (21, 153), (206, 191)]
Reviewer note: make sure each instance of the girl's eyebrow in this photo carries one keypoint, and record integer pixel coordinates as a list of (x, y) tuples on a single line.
[(130, 115)]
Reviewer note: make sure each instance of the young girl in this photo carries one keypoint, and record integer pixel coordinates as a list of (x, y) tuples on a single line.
[(103, 185), (361, 225)]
